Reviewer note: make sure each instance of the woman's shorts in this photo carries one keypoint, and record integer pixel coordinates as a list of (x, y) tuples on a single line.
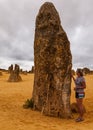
[(79, 94)]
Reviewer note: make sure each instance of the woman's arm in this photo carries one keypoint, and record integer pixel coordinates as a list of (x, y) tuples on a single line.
[(74, 81), (73, 78), (83, 85)]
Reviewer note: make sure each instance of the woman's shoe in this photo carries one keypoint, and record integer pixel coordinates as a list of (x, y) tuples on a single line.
[(79, 120)]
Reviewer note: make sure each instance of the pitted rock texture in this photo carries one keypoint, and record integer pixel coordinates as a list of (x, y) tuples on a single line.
[(14, 74), (53, 64), (32, 70), (10, 68)]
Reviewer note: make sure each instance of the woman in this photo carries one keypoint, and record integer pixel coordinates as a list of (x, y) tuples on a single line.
[(80, 85)]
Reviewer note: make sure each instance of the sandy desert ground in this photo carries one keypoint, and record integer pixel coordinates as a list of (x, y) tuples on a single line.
[(14, 117)]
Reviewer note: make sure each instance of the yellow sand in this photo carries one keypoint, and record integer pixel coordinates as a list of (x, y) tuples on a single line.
[(14, 117)]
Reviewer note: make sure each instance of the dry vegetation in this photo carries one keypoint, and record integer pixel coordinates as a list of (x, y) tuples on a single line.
[(14, 117)]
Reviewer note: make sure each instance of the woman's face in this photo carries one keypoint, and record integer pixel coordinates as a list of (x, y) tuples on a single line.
[(78, 74)]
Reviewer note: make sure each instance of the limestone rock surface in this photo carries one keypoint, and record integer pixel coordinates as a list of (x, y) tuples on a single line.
[(14, 74), (53, 64)]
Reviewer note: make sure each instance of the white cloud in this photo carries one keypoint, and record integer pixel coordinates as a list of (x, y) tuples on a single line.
[(17, 25), (24, 64)]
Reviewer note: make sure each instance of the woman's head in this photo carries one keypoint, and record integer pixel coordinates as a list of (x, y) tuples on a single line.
[(79, 72)]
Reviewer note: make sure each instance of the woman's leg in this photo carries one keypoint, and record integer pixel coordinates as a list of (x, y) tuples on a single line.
[(80, 107)]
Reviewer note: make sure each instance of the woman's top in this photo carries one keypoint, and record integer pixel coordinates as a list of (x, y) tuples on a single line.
[(79, 84)]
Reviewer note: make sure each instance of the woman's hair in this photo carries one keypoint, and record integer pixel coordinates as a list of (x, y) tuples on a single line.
[(80, 72)]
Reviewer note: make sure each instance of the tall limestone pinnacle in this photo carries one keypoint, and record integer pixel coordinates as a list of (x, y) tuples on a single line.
[(53, 64)]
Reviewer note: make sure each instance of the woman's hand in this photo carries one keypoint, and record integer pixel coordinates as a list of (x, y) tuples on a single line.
[(74, 88), (71, 75), (73, 78)]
